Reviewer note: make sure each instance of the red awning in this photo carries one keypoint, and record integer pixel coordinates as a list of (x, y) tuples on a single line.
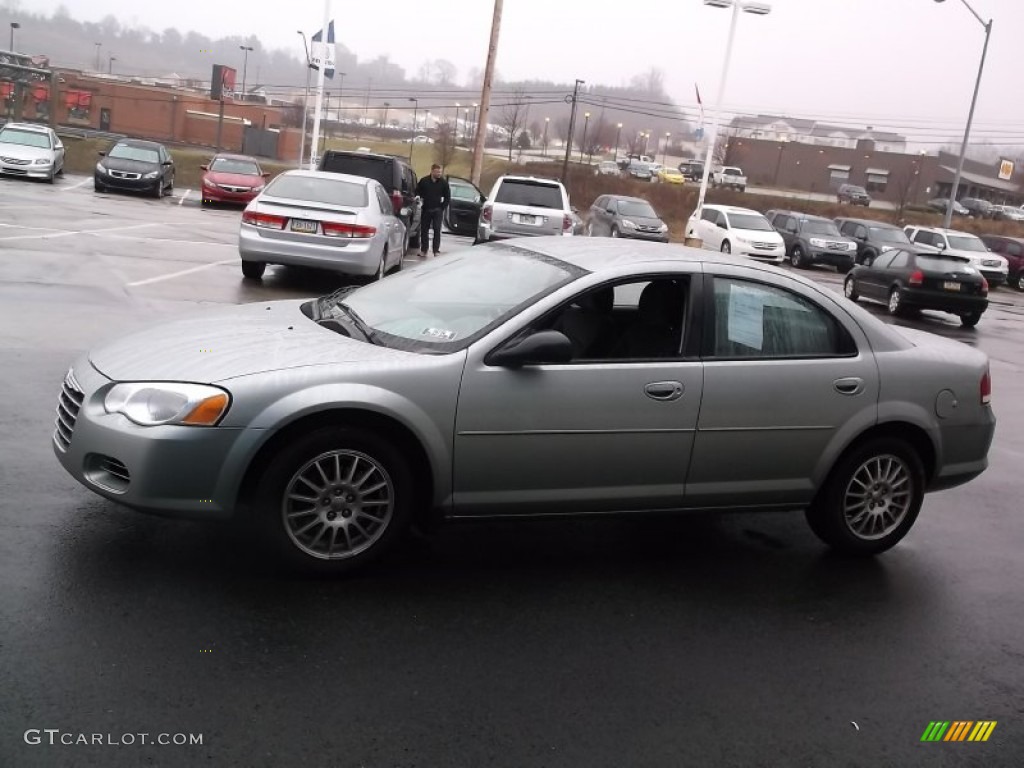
[(6, 90)]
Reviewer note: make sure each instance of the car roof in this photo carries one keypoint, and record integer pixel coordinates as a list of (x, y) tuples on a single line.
[(627, 197), (140, 143), (542, 179), (358, 153), (731, 209), (802, 216), (943, 231), (869, 222), (596, 254), (27, 127)]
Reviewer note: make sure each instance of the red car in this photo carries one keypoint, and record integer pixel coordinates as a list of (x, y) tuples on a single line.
[(232, 179)]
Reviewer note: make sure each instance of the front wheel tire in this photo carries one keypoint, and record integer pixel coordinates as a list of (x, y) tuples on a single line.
[(336, 499), (797, 259), (253, 270), (850, 289), (871, 498)]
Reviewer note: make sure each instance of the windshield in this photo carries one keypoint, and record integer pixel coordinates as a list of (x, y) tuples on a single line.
[(25, 138), (751, 221), (732, 172), (313, 189), (950, 263), (856, 190), (128, 152), (244, 167), (531, 193), (443, 305), (636, 208), (812, 227), (966, 243), (887, 235)]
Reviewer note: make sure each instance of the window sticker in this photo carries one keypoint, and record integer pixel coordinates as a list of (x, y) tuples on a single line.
[(746, 316), (438, 333)]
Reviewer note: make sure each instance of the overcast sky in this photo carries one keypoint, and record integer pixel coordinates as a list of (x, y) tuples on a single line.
[(905, 65)]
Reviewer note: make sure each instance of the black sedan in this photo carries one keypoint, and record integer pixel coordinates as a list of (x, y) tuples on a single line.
[(905, 280), (135, 166)]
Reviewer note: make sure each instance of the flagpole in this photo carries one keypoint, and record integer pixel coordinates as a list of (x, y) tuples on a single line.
[(320, 86)]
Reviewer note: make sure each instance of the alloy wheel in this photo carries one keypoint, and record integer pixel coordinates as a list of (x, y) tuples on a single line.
[(338, 504), (895, 301), (878, 497)]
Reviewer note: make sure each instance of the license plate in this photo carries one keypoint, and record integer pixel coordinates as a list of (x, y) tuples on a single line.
[(302, 225), (526, 218), (950, 286)]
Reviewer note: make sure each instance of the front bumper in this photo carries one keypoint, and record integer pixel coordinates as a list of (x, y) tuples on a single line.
[(351, 257), (218, 195), (634, 234), (31, 170), (776, 255), (167, 470), (995, 279), (128, 185), (838, 259)]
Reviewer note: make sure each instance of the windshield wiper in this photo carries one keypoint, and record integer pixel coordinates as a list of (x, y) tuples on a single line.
[(368, 333)]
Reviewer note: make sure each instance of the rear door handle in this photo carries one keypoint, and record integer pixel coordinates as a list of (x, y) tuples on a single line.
[(664, 390), (851, 385)]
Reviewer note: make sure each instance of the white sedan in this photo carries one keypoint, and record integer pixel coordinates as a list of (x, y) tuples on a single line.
[(30, 150)]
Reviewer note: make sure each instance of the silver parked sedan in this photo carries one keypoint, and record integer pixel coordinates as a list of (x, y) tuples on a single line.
[(549, 376), (30, 150), (325, 220)]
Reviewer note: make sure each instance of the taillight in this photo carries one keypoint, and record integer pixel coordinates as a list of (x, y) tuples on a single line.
[(986, 388), (566, 223), (485, 214), (917, 278), (397, 201), (984, 285), (347, 230), (265, 220)]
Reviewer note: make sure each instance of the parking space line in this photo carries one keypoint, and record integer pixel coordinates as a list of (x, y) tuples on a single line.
[(171, 240), (66, 233), (181, 273), (182, 200), (82, 183)]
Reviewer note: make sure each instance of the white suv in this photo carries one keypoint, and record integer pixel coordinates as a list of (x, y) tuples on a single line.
[(743, 231), (525, 206), (934, 240)]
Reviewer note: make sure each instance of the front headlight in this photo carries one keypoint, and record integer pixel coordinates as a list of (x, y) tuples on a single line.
[(663, 228), (101, 168), (208, 183), (43, 161), (887, 248), (628, 224), (817, 242), (151, 403), (851, 246), (744, 240), (151, 175)]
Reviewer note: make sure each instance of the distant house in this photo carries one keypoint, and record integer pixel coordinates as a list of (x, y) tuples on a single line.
[(779, 128)]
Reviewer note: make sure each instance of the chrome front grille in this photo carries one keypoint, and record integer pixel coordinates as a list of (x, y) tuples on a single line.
[(229, 188), (125, 175), (68, 405), (836, 246), (15, 161), (765, 246)]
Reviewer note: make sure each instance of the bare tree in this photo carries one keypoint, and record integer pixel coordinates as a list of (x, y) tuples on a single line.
[(514, 115), (426, 71), (903, 188), (444, 72), (444, 145), (651, 82)]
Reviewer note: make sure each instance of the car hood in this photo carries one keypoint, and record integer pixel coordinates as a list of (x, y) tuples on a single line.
[(129, 166), (644, 221), (21, 152), (227, 343), (233, 179), (759, 235)]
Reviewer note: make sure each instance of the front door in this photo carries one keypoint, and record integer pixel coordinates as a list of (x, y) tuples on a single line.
[(611, 430), (104, 119), (463, 212)]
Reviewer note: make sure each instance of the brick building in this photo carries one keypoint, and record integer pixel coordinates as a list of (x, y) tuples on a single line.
[(896, 177)]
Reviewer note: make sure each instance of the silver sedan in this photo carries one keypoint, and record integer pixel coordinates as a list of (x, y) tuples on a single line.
[(541, 377), (30, 150), (324, 220)]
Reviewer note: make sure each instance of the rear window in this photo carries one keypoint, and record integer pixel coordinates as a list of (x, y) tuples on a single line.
[(944, 264), (532, 193), (311, 189), (376, 168)]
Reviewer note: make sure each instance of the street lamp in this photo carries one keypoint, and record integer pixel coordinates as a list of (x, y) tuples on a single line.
[(618, 132), (305, 102), (98, 46), (544, 141), (465, 125), (14, 25), (970, 116), (664, 150), (583, 144), (245, 65), (473, 121), (747, 6), (110, 65), (412, 141), (457, 105)]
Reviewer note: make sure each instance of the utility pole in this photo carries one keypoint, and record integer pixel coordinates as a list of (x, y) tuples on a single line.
[(366, 104), (485, 96), (572, 128)]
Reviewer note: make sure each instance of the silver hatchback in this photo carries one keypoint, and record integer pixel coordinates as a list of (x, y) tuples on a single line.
[(546, 377), (324, 220)]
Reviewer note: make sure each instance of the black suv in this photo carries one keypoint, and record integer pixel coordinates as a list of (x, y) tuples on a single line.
[(872, 237), (692, 170), (851, 193), (981, 209), (394, 173), (813, 240)]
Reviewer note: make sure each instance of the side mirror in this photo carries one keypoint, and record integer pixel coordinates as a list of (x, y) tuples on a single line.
[(101, 154), (168, 162), (265, 174), (537, 348), (611, 211), (205, 167)]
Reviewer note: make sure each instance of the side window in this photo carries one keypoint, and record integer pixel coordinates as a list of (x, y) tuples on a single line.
[(757, 320), (386, 206), (923, 237), (883, 261), (636, 320), (848, 228), (899, 260), (1014, 249), (709, 215), (862, 232)]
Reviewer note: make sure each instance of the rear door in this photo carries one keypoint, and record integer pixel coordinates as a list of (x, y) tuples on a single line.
[(871, 282)]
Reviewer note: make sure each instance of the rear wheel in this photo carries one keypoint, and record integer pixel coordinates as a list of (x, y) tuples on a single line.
[(970, 319), (382, 268), (871, 498), (896, 301), (253, 270), (1019, 282), (335, 499), (850, 289)]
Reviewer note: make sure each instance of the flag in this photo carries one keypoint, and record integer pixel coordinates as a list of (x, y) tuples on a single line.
[(318, 51), (700, 127)]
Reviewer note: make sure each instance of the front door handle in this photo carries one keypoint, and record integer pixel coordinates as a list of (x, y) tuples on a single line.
[(664, 390), (851, 385)]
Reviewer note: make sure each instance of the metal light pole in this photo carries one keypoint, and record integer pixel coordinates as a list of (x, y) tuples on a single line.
[(583, 143), (618, 133), (664, 150), (544, 141), (457, 106), (14, 25), (473, 120), (341, 82), (747, 6), (387, 104), (245, 65), (98, 46), (412, 141), (572, 127), (110, 65), (305, 101), (970, 117)]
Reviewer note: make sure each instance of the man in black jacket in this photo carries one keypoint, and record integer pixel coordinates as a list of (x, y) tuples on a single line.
[(435, 194)]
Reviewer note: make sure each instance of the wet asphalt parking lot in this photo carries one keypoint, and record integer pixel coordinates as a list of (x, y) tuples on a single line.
[(711, 641)]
